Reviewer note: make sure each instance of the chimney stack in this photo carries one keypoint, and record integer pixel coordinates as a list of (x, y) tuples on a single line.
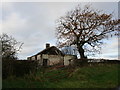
[(47, 45)]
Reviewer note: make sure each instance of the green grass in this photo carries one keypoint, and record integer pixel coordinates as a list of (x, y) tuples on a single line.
[(97, 76)]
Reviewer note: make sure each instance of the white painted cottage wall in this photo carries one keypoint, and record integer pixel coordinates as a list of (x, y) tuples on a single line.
[(67, 58), (53, 59), (33, 58), (38, 57)]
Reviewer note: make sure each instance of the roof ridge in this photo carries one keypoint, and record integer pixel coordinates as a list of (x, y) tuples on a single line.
[(47, 49)]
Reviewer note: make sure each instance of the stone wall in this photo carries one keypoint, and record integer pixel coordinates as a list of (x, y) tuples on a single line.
[(54, 59), (68, 59)]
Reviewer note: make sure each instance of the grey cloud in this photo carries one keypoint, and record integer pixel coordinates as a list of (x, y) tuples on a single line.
[(35, 23)]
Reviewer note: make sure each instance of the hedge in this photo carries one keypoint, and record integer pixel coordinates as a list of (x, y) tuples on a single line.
[(18, 67)]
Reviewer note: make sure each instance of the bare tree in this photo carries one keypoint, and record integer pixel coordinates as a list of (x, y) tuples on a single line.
[(10, 47), (85, 28)]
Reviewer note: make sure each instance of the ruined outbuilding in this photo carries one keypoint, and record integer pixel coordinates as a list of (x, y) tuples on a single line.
[(51, 56)]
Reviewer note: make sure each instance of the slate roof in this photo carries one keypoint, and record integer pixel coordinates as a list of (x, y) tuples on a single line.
[(51, 51)]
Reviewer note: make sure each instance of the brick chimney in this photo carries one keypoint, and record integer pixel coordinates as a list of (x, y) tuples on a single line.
[(47, 45)]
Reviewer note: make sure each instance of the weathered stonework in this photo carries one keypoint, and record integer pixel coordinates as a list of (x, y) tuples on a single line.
[(52, 56)]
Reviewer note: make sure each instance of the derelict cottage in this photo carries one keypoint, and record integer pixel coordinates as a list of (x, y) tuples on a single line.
[(51, 55)]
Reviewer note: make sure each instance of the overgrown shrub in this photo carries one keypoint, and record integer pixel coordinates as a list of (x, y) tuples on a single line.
[(18, 67), (80, 62)]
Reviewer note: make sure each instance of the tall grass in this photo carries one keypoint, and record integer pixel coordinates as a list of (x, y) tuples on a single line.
[(96, 76)]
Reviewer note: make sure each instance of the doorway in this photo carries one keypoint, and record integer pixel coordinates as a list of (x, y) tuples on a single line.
[(45, 62)]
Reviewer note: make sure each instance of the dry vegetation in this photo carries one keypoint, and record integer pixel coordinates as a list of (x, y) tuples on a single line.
[(95, 75)]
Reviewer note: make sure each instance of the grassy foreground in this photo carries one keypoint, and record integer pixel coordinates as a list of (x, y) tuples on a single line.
[(97, 76)]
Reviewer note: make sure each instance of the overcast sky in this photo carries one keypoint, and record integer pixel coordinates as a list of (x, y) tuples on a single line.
[(33, 23)]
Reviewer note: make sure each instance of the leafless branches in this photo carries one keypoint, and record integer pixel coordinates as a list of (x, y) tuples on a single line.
[(85, 27), (10, 46)]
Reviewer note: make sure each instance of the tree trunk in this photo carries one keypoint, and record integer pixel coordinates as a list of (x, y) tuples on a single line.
[(81, 52)]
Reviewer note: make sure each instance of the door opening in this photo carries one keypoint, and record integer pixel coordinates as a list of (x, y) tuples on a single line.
[(45, 62)]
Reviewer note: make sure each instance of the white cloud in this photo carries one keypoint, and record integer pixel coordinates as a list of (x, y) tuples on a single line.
[(13, 23), (6, 6), (60, 1), (109, 50), (111, 46)]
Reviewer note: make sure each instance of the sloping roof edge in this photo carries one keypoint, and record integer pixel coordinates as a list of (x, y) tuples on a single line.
[(47, 49)]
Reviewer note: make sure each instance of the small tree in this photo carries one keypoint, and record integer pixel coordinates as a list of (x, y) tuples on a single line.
[(10, 47), (85, 28)]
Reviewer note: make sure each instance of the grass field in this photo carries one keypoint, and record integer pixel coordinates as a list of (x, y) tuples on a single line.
[(96, 76)]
